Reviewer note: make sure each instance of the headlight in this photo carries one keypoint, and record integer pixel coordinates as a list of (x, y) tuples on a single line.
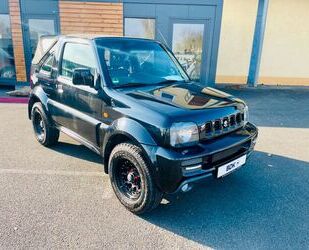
[(184, 134), (246, 114)]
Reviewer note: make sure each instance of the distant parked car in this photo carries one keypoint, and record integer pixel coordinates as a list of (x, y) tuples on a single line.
[(131, 102), (7, 68)]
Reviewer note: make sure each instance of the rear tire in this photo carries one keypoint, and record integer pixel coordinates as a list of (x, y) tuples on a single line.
[(132, 180), (45, 133)]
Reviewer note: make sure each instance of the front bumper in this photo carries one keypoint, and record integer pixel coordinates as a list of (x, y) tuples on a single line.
[(176, 168)]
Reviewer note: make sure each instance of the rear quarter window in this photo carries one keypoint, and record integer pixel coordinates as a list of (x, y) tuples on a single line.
[(45, 44), (47, 66)]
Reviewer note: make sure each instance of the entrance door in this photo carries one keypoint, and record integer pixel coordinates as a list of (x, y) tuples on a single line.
[(37, 26), (188, 44)]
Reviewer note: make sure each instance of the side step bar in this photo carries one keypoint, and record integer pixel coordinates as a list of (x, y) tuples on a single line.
[(80, 139)]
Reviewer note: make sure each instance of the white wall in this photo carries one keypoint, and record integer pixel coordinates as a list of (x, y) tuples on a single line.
[(238, 21), (285, 55)]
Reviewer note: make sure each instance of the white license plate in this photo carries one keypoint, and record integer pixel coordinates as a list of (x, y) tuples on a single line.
[(231, 166)]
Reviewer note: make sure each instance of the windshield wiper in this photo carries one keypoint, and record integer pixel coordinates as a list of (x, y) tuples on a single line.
[(169, 81), (133, 84), (140, 84)]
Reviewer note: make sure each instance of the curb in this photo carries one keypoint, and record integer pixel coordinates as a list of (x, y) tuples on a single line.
[(14, 100)]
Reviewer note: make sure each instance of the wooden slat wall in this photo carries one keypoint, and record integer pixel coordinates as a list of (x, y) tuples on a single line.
[(17, 38), (91, 17)]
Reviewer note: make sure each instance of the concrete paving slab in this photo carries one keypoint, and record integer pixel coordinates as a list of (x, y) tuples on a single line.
[(60, 197)]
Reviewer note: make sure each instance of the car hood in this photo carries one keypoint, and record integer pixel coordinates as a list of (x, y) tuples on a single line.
[(188, 96), (163, 105)]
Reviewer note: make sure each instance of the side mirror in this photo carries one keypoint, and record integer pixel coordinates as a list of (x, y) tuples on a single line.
[(83, 76)]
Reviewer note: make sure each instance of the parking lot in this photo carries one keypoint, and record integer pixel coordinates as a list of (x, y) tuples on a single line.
[(61, 198)]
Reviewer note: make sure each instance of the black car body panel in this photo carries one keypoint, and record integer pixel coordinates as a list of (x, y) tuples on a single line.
[(210, 155), (97, 115)]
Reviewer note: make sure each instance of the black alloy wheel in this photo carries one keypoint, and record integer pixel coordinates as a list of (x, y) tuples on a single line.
[(39, 126), (132, 178), (128, 179), (44, 131)]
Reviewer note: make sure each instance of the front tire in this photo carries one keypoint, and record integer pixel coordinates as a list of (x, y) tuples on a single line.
[(44, 132), (132, 180)]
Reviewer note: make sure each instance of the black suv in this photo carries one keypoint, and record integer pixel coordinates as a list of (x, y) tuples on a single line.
[(131, 102)]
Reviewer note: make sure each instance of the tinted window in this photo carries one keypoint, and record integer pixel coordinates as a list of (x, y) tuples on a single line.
[(7, 65), (77, 56), (48, 64)]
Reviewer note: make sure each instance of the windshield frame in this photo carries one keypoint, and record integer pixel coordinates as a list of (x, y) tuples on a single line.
[(108, 80)]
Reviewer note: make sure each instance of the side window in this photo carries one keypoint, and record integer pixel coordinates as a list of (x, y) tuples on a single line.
[(77, 56), (47, 66)]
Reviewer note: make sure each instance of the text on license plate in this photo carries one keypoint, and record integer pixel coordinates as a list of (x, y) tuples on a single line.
[(229, 167)]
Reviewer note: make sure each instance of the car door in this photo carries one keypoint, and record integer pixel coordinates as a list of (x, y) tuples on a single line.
[(45, 77), (82, 105)]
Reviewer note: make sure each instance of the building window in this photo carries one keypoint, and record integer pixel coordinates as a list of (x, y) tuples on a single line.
[(188, 47), (7, 65), (38, 28), (139, 27)]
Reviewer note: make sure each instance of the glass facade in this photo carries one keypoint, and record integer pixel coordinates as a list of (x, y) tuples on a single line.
[(7, 65), (184, 36), (139, 27), (37, 28), (187, 45)]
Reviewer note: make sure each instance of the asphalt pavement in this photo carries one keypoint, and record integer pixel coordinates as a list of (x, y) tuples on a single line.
[(60, 198)]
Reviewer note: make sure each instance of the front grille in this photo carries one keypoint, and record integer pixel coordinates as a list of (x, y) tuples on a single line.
[(221, 126), (232, 120), (238, 118), (208, 127), (229, 154), (217, 125)]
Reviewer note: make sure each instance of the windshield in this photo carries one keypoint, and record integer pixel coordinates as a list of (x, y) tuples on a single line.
[(132, 62)]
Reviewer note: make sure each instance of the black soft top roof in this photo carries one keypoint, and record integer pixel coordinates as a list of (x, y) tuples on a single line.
[(47, 41)]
